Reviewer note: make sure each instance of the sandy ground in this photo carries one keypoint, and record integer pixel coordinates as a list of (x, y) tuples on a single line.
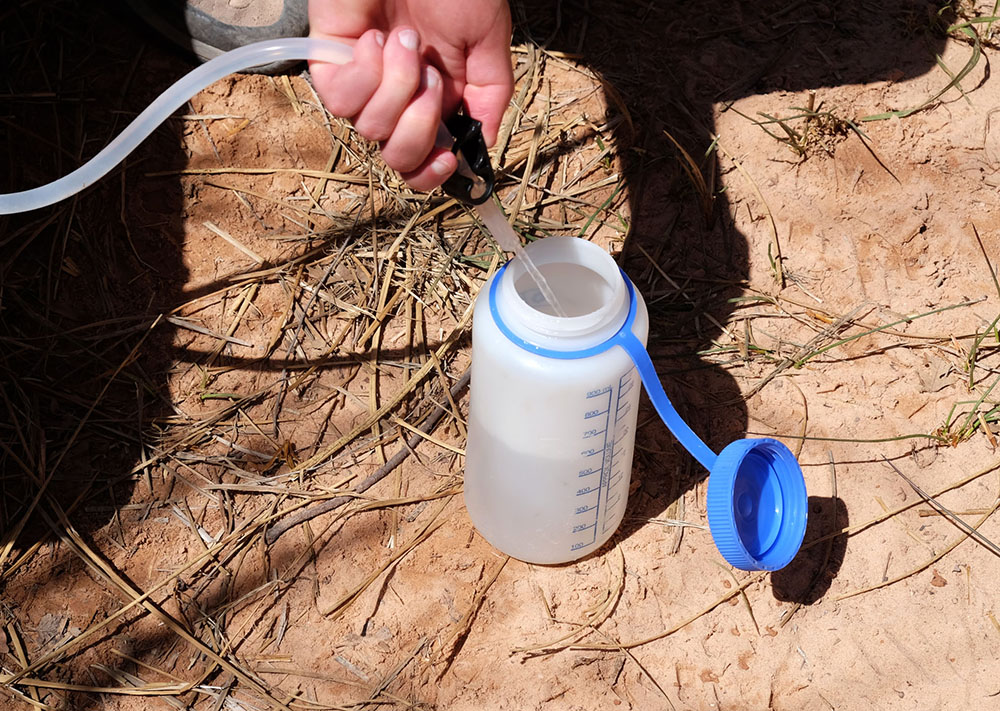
[(868, 344)]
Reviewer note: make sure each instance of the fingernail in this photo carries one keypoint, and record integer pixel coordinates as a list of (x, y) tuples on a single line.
[(409, 39), (380, 39), (431, 78), (441, 166)]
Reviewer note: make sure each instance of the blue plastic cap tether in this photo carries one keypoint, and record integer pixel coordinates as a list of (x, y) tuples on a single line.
[(757, 504)]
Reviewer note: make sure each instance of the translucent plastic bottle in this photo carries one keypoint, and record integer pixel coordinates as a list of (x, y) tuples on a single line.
[(551, 427)]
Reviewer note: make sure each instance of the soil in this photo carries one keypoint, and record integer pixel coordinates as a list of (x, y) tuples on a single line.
[(825, 279)]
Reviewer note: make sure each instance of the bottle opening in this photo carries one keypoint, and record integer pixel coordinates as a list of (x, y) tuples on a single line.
[(578, 289), (587, 285)]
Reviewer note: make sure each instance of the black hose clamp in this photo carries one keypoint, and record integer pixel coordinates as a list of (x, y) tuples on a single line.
[(470, 145)]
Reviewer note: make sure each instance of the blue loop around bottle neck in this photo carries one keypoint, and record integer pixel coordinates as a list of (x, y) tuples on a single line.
[(550, 352)]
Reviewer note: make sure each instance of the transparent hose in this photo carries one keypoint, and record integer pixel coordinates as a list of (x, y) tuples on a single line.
[(166, 104)]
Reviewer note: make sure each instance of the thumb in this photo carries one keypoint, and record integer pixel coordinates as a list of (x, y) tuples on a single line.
[(489, 83)]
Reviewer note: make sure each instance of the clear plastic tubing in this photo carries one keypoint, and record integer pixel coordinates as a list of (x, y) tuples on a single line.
[(165, 105)]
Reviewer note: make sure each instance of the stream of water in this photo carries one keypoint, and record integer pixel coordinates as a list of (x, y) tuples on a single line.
[(504, 234)]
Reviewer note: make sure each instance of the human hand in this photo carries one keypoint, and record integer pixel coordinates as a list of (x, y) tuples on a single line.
[(415, 61)]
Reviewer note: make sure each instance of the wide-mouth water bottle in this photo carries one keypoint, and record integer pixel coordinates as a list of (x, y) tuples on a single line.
[(550, 442), (552, 418)]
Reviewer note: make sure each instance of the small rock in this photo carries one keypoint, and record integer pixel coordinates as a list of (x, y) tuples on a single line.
[(708, 675)]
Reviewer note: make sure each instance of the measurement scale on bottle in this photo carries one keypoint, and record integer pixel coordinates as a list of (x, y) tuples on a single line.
[(603, 477)]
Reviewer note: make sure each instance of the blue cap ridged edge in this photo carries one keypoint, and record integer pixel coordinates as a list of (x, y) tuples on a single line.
[(719, 502)]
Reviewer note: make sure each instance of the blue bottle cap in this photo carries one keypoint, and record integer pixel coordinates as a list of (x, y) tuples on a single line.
[(757, 504)]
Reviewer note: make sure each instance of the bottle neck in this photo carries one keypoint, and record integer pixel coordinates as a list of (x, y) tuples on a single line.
[(584, 278)]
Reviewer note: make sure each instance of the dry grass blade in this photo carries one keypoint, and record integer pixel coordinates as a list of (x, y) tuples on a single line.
[(243, 535), (105, 570), (596, 615), (993, 619), (29, 700), (977, 341), (947, 513), (926, 564), (635, 660), (777, 259), (416, 378), (728, 595), (858, 527), (11, 535), (215, 229), (338, 607), (513, 120), (868, 332), (965, 28), (450, 649), (137, 690), (14, 635), (421, 435), (693, 171), (277, 530), (389, 678), (529, 167), (743, 596), (805, 351)]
